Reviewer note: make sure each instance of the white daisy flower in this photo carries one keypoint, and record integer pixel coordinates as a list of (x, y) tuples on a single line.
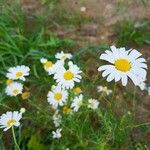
[(43, 60), (57, 96), (57, 119), (66, 78), (124, 64), (18, 72), (77, 103), (14, 89), (93, 103), (57, 134), (10, 119), (63, 56), (104, 90), (49, 67), (22, 110)]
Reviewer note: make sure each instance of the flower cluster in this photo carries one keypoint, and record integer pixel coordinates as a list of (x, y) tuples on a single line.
[(64, 96), (16, 75)]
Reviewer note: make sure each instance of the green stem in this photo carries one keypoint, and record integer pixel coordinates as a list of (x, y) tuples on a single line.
[(113, 95), (14, 137)]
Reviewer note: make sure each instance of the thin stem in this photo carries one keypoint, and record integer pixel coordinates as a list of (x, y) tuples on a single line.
[(113, 95), (14, 137)]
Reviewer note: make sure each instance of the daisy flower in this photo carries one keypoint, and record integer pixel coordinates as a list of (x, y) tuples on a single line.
[(124, 64), (66, 78), (18, 72), (57, 96), (57, 119), (77, 90), (57, 133), (51, 67), (77, 103), (8, 81), (14, 89), (22, 110), (93, 103), (67, 110), (10, 119), (104, 90), (63, 56), (25, 95)]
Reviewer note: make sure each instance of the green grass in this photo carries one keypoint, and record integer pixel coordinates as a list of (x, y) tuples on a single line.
[(101, 129), (133, 33)]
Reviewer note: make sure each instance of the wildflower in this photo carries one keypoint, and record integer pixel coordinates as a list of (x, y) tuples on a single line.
[(57, 96), (8, 81), (77, 103), (43, 60), (22, 110), (18, 72), (10, 119), (124, 64), (83, 9), (77, 90), (25, 95), (93, 103), (63, 56), (14, 89), (104, 90), (66, 78), (57, 133), (67, 110), (57, 119)]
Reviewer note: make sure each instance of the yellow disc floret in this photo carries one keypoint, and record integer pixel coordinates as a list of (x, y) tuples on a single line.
[(11, 122), (19, 74), (57, 96), (68, 75), (122, 65), (48, 64)]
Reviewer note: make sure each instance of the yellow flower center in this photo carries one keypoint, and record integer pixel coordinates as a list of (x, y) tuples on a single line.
[(19, 74), (77, 90), (48, 64), (25, 95), (122, 65), (64, 57), (8, 82), (66, 109), (11, 122), (91, 104), (15, 91), (58, 96), (80, 103), (68, 75)]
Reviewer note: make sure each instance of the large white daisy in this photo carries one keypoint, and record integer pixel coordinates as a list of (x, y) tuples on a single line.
[(14, 89), (77, 103), (124, 64), (63, 56), (67, 77), (10, 119), (57, 96), (18, 72)]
